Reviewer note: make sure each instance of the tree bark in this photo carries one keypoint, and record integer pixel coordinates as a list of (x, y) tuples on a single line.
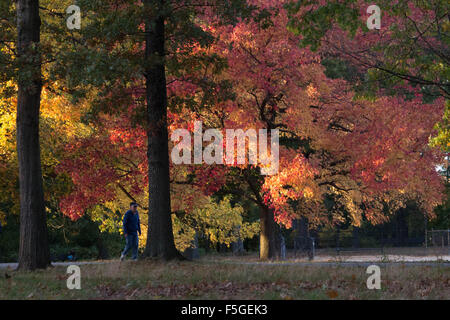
[(269, 237), (160, 240), (33, 250)]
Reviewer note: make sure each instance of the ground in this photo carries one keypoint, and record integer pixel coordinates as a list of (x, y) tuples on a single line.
[(230, 278)]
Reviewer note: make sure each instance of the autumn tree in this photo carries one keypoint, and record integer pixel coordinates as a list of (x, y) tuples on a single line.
[(335, 142), (24, 74), (140, 43), (34, 251)]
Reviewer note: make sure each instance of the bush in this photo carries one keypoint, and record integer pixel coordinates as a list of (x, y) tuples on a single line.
[(9, 240)]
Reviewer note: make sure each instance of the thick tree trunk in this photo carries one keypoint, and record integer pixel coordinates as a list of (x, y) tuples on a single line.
[(33, 250), (269, 238), (160, 241)]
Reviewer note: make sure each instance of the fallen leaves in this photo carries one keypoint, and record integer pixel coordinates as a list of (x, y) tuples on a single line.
[(229, 289), (226, 281), (332, 294)]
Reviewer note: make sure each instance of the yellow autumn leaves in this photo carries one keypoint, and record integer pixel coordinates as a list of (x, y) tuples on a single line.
[(219, 222)]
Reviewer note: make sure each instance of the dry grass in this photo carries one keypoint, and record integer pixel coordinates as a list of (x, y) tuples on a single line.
[(223, 280)]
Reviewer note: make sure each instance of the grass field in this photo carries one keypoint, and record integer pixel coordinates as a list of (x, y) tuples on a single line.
[(225, 280)]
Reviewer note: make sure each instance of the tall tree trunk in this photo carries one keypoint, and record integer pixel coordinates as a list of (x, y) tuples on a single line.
[(160, 241), (269, 237), (33, 251)]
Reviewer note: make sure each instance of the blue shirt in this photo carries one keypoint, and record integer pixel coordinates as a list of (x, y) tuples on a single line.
[(131, 223)]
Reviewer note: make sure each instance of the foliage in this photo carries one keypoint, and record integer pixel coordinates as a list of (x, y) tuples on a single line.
[(442, 214), (365, 150), (411, 44), (443, 127), (220, 223)]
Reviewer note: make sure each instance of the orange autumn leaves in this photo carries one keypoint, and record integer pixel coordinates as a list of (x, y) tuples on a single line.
[(294, 181), (371, 153)]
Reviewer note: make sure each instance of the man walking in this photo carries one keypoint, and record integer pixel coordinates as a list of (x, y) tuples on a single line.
[(131, 227)]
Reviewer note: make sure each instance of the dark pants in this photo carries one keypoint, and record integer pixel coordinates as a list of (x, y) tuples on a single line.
[(132, 243)]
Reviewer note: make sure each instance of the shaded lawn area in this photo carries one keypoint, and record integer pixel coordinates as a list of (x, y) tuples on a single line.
[(219, 280)]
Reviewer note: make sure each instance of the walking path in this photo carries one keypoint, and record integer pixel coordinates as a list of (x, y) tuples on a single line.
[(13, 265), (349, 261), (383, 258)]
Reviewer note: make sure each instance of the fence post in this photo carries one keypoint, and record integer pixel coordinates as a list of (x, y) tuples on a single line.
[(337, 241), (448, 240), (312, 248)]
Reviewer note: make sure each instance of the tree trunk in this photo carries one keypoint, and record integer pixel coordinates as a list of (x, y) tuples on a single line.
[(269, 238), (160, 241), (33, 250)]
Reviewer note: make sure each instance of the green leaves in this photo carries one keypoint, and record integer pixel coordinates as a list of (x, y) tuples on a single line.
[(411, 46), (312, 21)]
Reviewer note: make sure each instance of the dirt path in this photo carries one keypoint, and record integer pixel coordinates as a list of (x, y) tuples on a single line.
[(348, 261), (78, 263)]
